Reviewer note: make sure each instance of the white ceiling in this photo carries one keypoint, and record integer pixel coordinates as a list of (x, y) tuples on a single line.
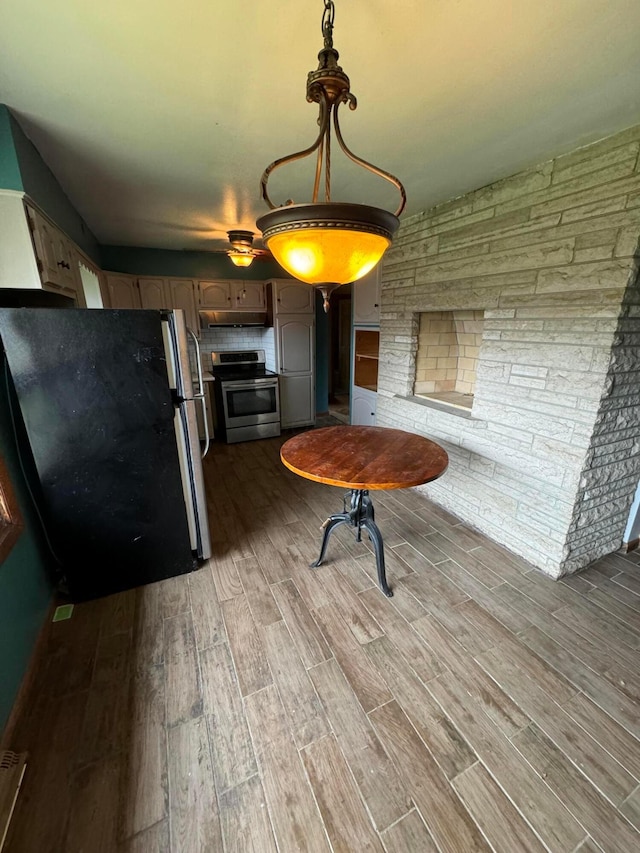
[(158, 117)]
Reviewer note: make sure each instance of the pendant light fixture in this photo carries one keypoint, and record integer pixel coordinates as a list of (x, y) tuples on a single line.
[(327, 244)]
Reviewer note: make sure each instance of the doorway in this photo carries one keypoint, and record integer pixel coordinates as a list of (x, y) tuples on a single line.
[(340, 353)]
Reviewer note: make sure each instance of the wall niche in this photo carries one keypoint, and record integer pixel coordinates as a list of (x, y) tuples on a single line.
[(447, 358)]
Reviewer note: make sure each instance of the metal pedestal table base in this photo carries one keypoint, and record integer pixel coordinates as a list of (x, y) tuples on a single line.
[(358, 516)]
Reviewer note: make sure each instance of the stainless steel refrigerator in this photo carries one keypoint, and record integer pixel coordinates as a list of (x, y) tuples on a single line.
[(106, 401)]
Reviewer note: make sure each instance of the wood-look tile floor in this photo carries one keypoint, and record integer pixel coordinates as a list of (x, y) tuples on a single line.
[(259, 705)]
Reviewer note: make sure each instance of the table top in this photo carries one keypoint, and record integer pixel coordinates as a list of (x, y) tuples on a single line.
[(364, 457)]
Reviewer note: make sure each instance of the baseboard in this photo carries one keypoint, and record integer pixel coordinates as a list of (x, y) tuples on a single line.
[(630, 546), (12, 767)]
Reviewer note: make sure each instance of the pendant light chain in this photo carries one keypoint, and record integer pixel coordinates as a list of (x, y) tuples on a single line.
[(328, 17), (327, 163), (327, 23)]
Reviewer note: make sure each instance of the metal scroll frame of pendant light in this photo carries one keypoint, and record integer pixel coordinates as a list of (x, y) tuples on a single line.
[(368, 230)]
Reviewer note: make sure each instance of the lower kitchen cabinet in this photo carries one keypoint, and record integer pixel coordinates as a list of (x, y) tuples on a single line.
[(363, 407), (296, 400), (366, 344)]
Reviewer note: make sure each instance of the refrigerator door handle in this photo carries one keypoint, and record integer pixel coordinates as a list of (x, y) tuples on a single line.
[(207, 437), (201, 392)]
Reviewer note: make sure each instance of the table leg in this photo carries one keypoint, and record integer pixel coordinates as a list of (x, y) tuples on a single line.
[(361, 514)]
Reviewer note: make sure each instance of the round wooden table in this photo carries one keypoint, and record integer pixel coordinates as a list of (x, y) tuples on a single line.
[(363, 458)]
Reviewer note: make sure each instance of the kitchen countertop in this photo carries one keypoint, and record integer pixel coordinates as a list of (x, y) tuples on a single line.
[(206, 377)]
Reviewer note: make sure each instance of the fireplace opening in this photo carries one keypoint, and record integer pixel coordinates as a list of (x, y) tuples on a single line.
[(447, 357)]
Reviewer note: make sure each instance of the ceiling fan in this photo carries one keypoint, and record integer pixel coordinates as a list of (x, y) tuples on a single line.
[(242, 252)]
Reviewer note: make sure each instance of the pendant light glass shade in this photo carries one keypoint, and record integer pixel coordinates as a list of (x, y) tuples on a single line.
[(332, 243)]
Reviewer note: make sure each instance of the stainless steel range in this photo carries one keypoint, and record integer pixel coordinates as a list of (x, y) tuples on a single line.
[(247, 403)]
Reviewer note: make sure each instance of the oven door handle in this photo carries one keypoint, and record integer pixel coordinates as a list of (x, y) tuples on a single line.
[(250, 383), (200, 394)]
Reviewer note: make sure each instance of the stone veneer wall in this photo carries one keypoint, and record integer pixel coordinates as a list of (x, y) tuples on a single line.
[(547, 462)]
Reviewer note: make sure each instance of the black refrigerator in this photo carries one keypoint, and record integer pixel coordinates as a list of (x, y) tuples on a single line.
[(121, 492)]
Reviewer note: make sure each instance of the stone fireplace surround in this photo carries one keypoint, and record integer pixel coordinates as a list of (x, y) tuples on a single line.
[(547, 461)]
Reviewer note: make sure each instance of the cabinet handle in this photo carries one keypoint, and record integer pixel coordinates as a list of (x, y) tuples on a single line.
[(64, 264), (375, 305)]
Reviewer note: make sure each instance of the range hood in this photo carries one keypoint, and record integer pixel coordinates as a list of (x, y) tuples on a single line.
[(215, 319)]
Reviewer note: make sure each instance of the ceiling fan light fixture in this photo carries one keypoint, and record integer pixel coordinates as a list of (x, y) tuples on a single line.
[(241, 259), (327, 244), (242, 253)]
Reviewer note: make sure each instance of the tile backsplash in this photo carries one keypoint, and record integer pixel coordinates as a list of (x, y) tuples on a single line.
[(244, 337)]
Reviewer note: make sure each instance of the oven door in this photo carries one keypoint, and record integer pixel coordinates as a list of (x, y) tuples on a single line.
[(250, 401)]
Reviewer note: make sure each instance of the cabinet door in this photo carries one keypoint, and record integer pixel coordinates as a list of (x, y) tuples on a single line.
[(295, 344), (182, 292), (293, 298), (363, 408), (44, 245), (366, 298), (248, 295), (54, 254), (296, 400), (68, 276), (153, 293), (122, 291), (215, 294)]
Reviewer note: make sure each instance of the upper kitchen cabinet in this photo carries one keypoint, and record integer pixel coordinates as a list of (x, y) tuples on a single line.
[(215, 295), (171, 293), (154, 293), (55, 256), (232, 295), (248, 295), (290, 297), (366, 299), (182, 294), (121, 291)]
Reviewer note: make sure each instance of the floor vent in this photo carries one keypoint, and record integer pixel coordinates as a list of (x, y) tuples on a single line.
[(12, 767)]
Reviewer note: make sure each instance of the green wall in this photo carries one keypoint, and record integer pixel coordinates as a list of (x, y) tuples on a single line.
[(10, 178), (184, 264), (25, 588), (39, 182)]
